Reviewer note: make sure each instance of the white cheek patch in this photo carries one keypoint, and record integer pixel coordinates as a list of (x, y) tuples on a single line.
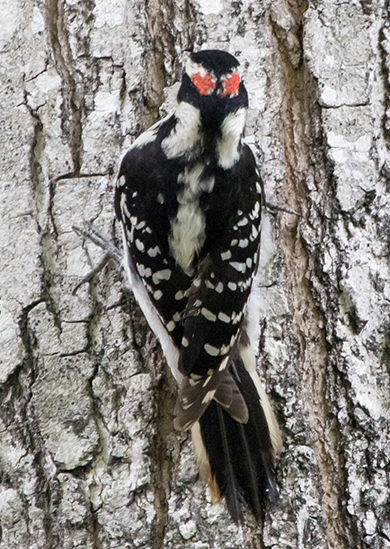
[(227, 145), (185, 135)]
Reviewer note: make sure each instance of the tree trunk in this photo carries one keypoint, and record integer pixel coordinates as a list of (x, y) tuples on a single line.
[(88, 454)]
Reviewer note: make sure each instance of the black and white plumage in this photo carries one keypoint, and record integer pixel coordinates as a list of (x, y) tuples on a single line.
[(189, 201)]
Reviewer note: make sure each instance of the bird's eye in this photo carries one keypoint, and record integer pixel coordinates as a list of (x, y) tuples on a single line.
[(204, 84), (230, 85)]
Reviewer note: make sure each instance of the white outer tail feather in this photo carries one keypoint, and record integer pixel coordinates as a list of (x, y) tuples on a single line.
[(249, 360), (203, 463)]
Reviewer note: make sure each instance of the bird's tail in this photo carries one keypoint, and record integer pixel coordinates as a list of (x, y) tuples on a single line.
[(236, 459)]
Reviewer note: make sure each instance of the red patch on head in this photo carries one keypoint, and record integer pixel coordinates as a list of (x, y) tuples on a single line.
[(204, 84), (230, 85)]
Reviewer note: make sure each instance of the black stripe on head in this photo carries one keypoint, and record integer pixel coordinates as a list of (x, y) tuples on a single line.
[(220, 62), (188, 92), (241, 100)]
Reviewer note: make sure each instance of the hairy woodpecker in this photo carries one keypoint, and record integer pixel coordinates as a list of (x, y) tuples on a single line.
[(189, 200)]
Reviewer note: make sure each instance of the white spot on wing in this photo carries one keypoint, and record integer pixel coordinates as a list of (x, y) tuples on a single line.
[(210, 350), (158, 295), (240, 267), (140, 225), (165, 274), (256, 210), (242, 222), (171, 326), (223, 317), (208, 314), (144, 271), (254, 233), (236, 319), (226, 255), (140, 245), (152, 252), (219, 287)]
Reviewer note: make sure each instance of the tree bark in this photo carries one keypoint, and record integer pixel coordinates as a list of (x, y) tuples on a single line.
[(88, 454)]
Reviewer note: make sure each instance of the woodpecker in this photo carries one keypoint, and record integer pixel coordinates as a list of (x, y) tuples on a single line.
[(189, 198)]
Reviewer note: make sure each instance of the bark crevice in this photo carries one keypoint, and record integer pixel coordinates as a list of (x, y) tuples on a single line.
[(303, 150)]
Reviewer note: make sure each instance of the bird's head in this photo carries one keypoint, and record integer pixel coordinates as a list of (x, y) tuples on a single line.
[(212, 83)]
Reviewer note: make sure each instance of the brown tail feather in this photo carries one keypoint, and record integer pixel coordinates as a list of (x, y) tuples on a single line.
[(196, 395)]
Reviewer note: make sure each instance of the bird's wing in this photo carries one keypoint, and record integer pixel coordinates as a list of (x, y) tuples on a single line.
[(143, 209), (214, 319)]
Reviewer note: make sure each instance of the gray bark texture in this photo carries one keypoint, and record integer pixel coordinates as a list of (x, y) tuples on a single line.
[(88, 454)]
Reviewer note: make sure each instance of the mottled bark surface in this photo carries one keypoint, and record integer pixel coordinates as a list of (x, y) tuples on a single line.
[(88, 455)]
